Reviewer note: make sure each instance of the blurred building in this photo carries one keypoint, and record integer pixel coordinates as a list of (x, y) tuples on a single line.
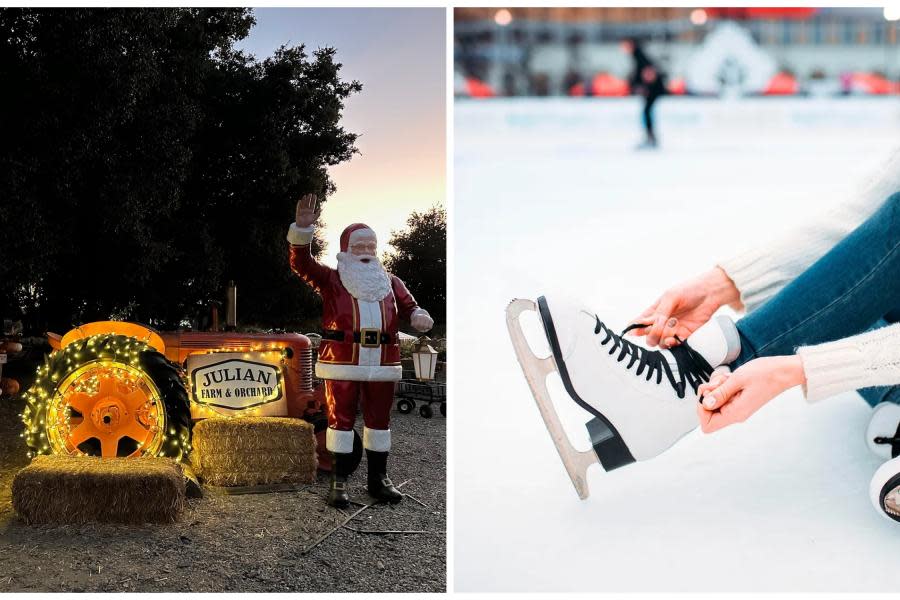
[(565, 51)]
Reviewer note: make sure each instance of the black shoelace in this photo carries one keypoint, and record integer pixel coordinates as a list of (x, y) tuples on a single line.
[(893, 441), (692, 368)]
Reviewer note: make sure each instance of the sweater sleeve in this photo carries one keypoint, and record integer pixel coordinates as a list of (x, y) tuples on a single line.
[(761, 271), (865, 360)]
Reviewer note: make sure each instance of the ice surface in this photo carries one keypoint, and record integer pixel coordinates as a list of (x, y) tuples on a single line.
[(550, 196)]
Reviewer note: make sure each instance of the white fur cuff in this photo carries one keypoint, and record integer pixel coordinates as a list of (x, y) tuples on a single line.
[(358, 373), (300, 236), (377, 440), (339, 441), (419, 311)]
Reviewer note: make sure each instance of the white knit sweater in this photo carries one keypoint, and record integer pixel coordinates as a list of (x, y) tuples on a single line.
[(863, 360)]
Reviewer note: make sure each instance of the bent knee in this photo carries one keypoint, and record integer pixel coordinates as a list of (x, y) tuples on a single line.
[(893, 201)]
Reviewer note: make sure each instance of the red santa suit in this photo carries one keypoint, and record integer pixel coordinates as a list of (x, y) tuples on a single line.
[(359, 357)]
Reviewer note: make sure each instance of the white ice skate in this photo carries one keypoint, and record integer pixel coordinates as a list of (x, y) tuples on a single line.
[(639, 401), (883, 438), (884, 491), (883, 432)]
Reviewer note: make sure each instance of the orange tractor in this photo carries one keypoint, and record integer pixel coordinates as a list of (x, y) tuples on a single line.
[(114, 388)]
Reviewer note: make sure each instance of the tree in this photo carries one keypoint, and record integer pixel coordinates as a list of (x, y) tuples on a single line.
[(420, 260), (145, 162)]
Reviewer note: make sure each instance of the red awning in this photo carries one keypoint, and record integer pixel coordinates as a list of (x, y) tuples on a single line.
[(677, 86), (478, 88), (872, 83), (760, 12), (782, 84), (603, 84), (609, 85)]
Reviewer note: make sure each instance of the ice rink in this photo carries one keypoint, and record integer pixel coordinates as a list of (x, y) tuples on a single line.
[(551, 196)]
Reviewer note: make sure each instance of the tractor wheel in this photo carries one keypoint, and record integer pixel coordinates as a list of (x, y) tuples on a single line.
[(108, 395), (405, 406), (425, 411), (443, 409)]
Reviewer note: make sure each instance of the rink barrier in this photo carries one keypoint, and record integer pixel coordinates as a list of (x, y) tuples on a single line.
[(753, 115)]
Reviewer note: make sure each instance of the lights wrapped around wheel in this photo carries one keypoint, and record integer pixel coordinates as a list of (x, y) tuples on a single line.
[(108, 395)]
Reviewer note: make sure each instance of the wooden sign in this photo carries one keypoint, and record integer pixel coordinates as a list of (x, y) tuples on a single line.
[(230, 383)]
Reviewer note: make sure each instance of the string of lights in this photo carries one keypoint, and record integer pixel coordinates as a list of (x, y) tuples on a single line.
[(71, 378)]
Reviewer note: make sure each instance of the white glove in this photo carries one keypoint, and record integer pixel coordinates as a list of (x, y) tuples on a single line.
[(421, 320)]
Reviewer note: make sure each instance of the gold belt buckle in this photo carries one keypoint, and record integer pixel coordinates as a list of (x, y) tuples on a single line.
[(369, 338)]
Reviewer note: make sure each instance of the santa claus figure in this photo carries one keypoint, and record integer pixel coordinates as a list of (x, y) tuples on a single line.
[(359, 357)]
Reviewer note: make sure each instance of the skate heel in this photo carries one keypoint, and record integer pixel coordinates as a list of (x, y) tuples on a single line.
[(610, 448), (608, 445)]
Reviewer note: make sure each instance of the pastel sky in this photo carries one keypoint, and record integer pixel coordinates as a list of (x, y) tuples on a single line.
[(398, 54)]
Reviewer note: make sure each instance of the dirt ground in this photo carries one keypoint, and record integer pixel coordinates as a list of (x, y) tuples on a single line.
[(245, 543)]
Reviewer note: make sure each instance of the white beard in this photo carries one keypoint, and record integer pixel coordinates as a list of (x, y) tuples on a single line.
[(368, 282)]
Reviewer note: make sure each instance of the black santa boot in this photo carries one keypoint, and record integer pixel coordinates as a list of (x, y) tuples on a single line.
[(380, 485), (340, 470)]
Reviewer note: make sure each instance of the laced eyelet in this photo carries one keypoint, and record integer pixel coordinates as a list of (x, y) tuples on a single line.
[(692, 367)]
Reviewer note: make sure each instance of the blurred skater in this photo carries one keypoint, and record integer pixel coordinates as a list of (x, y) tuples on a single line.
[(648, 81)]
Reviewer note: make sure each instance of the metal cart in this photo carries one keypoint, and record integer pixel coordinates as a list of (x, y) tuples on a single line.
[(411, 392)]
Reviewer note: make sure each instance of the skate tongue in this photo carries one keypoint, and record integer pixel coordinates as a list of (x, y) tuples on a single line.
[(717, 341), (672, 363)]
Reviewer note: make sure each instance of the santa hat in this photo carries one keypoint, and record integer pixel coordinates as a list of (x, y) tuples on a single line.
[(353, 233)]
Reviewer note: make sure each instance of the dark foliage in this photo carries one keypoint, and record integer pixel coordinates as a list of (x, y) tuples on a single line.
[(145, 162), (420, 260)]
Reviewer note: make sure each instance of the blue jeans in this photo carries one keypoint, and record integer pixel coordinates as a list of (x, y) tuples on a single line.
[(853, 288)]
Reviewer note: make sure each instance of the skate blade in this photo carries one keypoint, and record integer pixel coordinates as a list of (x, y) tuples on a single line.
[(536, 370), (891, 503)]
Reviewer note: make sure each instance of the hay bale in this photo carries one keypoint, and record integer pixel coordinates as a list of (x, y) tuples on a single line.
[(78, 489), (246, 451)]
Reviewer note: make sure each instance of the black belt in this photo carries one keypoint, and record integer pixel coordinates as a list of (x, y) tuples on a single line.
[(367, 338)]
